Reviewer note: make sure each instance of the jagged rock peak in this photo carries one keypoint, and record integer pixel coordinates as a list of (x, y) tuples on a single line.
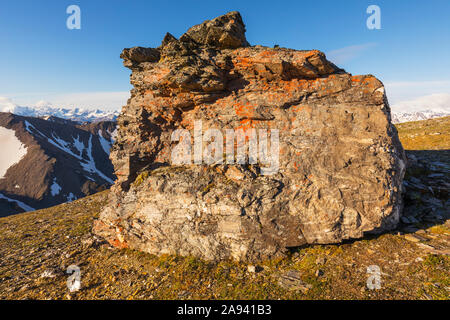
[(224, 32)]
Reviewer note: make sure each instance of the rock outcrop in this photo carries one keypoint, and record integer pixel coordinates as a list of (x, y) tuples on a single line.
[(340, 166)]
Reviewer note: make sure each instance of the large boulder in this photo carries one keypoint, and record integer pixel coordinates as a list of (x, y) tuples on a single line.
[(336, 173)]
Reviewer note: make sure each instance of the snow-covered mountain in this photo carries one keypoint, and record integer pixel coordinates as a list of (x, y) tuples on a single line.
[(45, 110), (399, 117), (77, 114), (422, 108)]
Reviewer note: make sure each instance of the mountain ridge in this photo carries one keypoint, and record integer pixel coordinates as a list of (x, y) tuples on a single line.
[(64, 161)]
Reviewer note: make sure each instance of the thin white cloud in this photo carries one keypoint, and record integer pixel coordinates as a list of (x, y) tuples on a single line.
[(399, 91), (6, 103), (414, 84), (100, 100), (438, 102), (343, 55)]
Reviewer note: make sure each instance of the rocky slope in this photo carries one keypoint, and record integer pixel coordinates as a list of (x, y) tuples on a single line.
[(335, 175), (62, 161), (414, 261)]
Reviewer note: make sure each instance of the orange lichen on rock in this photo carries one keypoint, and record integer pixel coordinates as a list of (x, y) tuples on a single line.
[(337, 149)]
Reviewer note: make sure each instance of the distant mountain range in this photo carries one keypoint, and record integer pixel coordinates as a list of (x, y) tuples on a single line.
[(76, 114), (431, 106), (47, 111), (399, 117), (48, 161)]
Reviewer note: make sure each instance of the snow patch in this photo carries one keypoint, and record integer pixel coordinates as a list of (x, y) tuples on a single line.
[(79, 145), (89, 166), (12, 150), (25, 207), (55, 188), (29, 126), (62, 145), (106, 145), (71, 197)]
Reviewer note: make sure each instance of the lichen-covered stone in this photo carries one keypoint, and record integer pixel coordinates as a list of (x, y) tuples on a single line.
[(341, 162)]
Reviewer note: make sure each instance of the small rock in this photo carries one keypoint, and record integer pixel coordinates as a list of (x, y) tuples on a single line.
[(413, 220), (410, 229), (405, 220), (321, 260), (426, 246), (48, 274), (25, 287), (414, 237), (253, 269), (184, 294), (291, 280), (430, 218), (71, 254), (234, 174), (427, 296), (88, 242)]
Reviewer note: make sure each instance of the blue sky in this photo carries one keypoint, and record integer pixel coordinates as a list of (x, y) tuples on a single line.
[(40, 59)]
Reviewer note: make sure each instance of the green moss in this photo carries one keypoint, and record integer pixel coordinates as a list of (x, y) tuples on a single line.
[(141, 178), (434, 260), (438, 281), (207, 188)]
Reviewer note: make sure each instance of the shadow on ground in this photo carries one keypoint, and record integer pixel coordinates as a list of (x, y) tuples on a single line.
[(426, 189)]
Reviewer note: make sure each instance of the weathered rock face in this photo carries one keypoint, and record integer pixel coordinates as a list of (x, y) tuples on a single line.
[(341, 164)]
